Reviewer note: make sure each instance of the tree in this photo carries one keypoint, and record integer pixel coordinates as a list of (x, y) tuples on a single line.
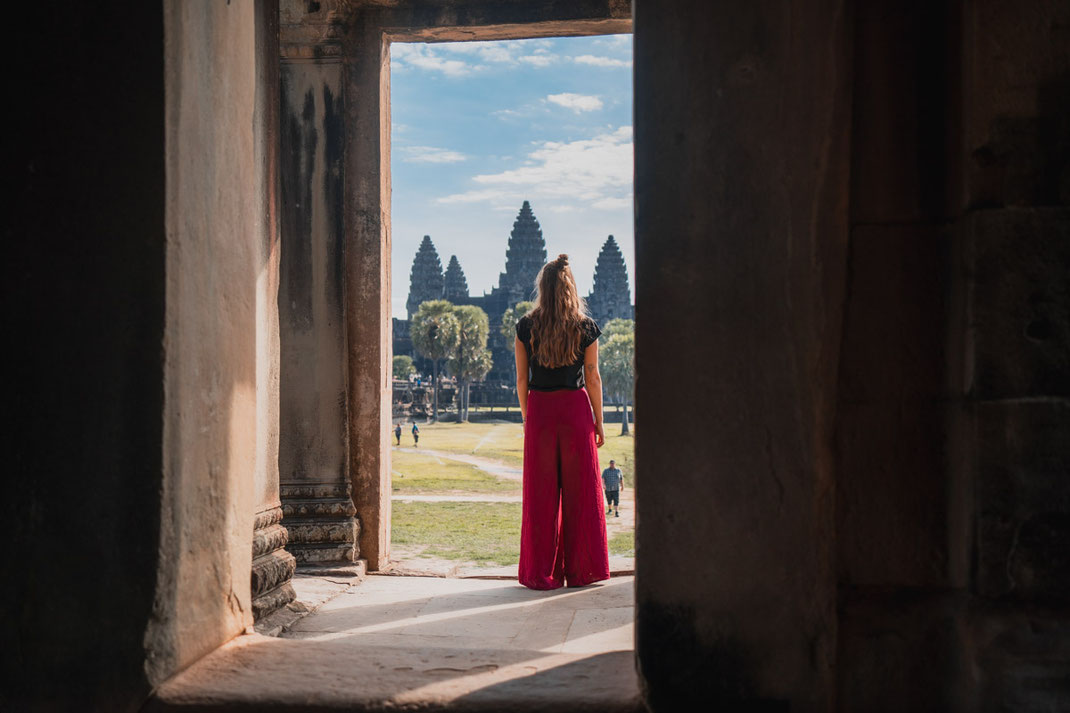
[(616, 326), (470, 360), (617, 358), (403, 366), (510, 318), (434, 333)]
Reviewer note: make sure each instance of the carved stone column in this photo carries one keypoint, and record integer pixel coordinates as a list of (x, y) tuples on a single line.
[(273, 566), (317, 504)]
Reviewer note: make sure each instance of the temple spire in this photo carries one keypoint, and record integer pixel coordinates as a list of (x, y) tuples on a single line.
[(426, 279), (524, 257), (456, 285), (611, 297)]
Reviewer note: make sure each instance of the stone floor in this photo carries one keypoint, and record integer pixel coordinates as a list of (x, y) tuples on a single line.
[(423, 643)]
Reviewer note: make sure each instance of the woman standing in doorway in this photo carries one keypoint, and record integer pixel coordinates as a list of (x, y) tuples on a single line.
[(563, 529)]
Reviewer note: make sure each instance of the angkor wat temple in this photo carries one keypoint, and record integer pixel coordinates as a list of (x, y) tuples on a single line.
[(609, 299)]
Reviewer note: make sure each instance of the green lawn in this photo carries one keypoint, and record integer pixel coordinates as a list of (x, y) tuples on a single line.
[(488, 533), (623, 543), (505, 442), (419, 473)]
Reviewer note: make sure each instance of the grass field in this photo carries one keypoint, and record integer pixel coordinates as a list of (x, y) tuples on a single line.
[(487, 533), (505, 442), (419, 473), (623, 543)]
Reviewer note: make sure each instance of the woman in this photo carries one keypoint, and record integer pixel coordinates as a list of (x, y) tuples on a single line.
[(563, 531)]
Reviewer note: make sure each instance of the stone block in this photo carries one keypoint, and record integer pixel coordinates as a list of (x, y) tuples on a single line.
[(892, 496), (898, 650), (1020, 302), (1023, 500), (1019, 659), (896, 313)]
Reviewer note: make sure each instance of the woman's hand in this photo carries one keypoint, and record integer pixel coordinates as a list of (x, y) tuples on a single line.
[(599, 435)]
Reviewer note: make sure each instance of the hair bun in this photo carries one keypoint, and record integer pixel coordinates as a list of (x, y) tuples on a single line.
[(562, 259)]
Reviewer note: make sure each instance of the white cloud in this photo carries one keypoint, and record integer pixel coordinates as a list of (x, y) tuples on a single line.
[(576, 102), (613, 203), (488, 195), (595, 61), (421, 56), (431, 154), (595, 171), (538, 60)]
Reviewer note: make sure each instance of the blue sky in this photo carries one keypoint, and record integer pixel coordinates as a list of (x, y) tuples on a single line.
[(478, 127)]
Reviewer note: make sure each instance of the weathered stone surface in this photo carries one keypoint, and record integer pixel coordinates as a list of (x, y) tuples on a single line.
[(310, 532), (1023, 500), (900, 650), (892, 498), (1018, 660), (741, 237), (271, 601), (325, 554), (269, 539), (317, 508), (1020, 307), (271, 570), (267, 518)]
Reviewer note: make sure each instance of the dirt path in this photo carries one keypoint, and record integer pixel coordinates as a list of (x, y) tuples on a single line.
[(489, 465)]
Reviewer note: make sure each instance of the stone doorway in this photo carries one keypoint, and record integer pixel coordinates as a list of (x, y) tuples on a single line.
[(537, 123), (335, 279)]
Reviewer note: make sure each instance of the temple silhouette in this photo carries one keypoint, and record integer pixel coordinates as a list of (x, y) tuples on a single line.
[(610, 297)]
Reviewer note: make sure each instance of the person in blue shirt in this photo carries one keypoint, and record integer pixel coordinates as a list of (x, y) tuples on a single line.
[(613, 480), (415, 435), (397, 433)]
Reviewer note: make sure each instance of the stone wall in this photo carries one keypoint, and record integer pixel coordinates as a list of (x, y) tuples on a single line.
[(220, 345), (140, 276), (314, 450), (83, 305), (741, 138)]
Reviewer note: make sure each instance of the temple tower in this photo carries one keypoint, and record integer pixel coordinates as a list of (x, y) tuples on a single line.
[(525, 256), (456, 286), (611, 298), (426, 280)]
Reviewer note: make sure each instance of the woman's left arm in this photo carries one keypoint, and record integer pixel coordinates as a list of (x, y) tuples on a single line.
[(593, 379)]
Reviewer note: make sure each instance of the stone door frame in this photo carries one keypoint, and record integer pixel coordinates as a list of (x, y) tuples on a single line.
[(366, 37)]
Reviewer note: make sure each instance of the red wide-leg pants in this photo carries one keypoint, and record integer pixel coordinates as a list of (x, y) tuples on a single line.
[(563, 531)]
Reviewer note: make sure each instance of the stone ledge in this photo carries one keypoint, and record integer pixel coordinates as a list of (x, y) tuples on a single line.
[(313, 587)]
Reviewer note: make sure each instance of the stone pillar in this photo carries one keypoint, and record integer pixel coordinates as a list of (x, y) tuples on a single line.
[(317, 506), (273, 566), (367, 270), (741, 128)]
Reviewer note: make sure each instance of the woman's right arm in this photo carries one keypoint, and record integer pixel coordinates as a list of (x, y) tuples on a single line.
[(521, 376), (593, 378)]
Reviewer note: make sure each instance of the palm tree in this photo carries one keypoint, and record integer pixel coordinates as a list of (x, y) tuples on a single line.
[(435, 335), (618, 366), (471, 360), (510, 318)]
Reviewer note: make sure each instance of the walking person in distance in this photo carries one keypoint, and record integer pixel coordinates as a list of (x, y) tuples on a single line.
[(563, 528), (613, 481)]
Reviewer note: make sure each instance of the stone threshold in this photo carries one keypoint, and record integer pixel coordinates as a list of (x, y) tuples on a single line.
[(426, 644)]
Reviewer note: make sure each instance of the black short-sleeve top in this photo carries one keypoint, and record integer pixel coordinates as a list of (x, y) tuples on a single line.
[(541, 378)]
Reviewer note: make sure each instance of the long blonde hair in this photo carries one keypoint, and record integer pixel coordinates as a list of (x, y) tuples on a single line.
[(558, 317)]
